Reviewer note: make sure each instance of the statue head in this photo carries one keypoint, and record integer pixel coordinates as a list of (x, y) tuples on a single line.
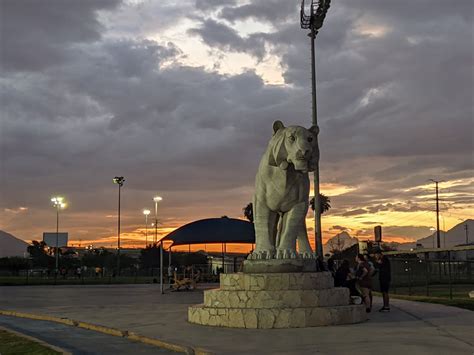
[(294, 145)]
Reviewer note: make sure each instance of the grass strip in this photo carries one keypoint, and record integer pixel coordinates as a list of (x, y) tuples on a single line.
[(13, 344), (455, 302)]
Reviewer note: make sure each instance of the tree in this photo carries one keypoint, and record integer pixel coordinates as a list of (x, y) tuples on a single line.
[(325, 203), (39, 255), (248, 212)]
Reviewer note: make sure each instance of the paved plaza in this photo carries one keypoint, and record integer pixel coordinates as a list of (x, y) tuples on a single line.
[(411, 327)]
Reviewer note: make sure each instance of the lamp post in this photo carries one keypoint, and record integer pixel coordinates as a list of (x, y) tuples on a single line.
[(157, 199), (58, 204), (146, 213), (119, 180), (314, 21)]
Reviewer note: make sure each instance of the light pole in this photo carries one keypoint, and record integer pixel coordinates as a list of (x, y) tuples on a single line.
[(146, 213), (58, 204), (157, 199), (119, 180), (314, 21)]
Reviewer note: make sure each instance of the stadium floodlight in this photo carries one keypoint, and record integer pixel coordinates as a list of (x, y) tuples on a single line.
[(119, 180), (146, 213), (59, 204)]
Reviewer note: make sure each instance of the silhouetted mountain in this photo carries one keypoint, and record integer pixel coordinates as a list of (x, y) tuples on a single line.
[(339, 242), (11, 246), (453, 237)]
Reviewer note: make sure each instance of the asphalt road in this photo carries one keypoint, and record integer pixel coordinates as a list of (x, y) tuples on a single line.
[(76, 340), (410, 328)]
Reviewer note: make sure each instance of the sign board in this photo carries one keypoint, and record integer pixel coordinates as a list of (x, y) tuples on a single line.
[(50, 239), (378, 233), (363, 247)]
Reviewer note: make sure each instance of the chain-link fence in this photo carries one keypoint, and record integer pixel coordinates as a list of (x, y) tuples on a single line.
[(425, 274), (98, 275)]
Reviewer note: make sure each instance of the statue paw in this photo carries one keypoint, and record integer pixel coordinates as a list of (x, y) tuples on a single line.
[(261, 254), (307, 255), (286, 254)]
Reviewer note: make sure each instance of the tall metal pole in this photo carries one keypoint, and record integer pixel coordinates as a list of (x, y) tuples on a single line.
[(155, 238), (314, 22), (146, 230), (57, 238), (317, 197), (438, 235), (119, 180), (118, 239)]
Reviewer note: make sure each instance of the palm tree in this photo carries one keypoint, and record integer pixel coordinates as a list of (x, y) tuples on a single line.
[(248, 212), (325, 203)]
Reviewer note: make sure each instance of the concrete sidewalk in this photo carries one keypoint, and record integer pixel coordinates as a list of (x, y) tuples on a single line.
[(411, 327)]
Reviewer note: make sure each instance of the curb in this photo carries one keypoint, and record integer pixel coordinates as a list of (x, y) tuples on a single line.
[(110, 331), (36, 340)]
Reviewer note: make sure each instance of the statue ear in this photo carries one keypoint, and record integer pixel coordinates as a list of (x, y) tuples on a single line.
[(314, 130), (277, 125), (278, 152)]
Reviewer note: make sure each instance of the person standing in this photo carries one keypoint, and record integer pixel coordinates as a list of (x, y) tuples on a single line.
[(385, 277), (364, 280)]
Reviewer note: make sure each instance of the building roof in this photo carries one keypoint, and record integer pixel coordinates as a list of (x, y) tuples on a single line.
[(213, 230)]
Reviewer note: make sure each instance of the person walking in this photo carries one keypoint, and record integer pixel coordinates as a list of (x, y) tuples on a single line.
[(364, 280), (385, 276)]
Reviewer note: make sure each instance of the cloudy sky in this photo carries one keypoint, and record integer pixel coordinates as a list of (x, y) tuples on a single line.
[(180, 96)]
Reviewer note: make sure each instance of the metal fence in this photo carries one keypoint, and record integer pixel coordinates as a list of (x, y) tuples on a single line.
[(43, 276), (420, 275)]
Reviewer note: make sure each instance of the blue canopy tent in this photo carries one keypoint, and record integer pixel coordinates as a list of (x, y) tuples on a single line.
[(210, 231), (213, 230)]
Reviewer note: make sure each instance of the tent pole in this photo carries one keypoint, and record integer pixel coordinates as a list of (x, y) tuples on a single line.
[(161, 267), (170, 271)]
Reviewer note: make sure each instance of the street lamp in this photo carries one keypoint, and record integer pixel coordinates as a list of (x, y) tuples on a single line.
[(156, 199), (314, 21), (146, 213), (58, 203), (119, 180)]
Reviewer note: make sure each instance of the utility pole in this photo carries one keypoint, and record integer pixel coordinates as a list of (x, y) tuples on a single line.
[(314, 21), (466, 228), (119, 180), (438, 238)]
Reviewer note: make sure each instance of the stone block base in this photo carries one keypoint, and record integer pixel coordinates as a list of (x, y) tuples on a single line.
[(276, 300), (277, 281), (258, 318), (279, 266)]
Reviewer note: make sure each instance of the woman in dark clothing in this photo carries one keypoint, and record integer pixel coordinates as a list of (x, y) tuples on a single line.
[(343, 278), (385, 276)]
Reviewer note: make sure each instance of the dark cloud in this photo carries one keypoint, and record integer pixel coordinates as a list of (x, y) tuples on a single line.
[(38, 34), (273, 11), (212, 4), (216, 34), (356, 212), (80, 105)]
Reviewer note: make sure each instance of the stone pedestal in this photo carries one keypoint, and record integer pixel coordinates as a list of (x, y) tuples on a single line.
[(276, 300)]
